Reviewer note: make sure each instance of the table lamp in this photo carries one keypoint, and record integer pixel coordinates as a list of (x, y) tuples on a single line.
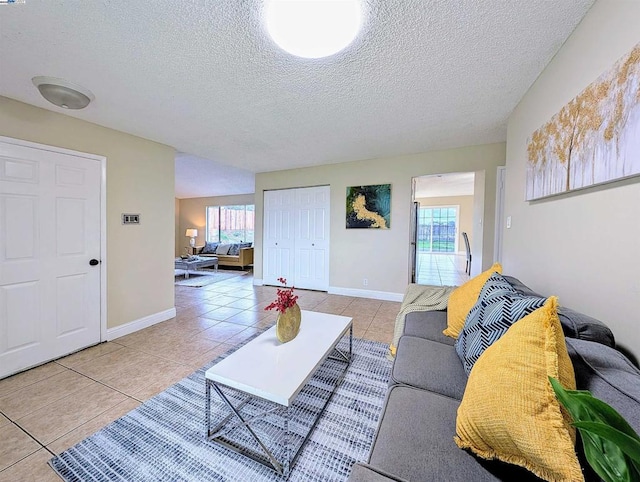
[(192, 233)]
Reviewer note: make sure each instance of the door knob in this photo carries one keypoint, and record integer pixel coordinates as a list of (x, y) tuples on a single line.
[(94, 262)]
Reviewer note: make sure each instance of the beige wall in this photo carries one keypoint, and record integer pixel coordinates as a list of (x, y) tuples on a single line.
[(193, 215), (140, 179), (381, 256), (465, 213), (582, 246)]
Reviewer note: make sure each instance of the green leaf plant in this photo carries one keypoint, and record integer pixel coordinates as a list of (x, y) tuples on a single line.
[(611, 446)]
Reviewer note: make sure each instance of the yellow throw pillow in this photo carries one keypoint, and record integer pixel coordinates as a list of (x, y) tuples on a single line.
[(509, 410), (463, 298)]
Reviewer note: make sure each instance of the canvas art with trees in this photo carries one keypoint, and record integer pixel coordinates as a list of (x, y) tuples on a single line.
[(594, 139)]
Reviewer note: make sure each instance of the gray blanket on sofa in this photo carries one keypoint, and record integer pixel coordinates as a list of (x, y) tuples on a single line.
[(419, 298)]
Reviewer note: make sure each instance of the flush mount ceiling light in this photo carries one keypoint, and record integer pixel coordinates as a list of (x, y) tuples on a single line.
[(313, 28), (62, 93)]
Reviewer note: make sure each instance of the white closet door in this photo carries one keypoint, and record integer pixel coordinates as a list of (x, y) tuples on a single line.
[(296, 237), (279, 233), (312, 238), (49, 232)]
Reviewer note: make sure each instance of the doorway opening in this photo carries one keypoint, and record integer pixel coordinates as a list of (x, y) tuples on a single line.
[(443, 210)]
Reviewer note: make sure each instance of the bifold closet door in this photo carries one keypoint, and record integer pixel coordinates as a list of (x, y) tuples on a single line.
[(279, 235), (296, 237), (312, 238)]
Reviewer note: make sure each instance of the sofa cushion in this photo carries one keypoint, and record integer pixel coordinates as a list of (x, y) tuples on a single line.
[(428, 325), (609, 376), (462, 300), (366, 473), (415, 439), (520, 287), (574, 324), (209, 248), (498, 307), (429, 365), (583, 327), (509, 410)]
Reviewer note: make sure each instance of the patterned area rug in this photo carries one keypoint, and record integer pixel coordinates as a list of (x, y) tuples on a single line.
[(164, 438), (205, 277)]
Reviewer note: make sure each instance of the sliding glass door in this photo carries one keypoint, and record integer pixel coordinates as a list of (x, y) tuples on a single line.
[(438, 229)]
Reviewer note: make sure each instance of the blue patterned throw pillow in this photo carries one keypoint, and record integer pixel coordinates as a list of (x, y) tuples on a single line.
[(210, 248), (498, 307), (234, 250)]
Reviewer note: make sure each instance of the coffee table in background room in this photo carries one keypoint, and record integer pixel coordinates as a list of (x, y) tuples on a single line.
[(265, 379), (195, 264)]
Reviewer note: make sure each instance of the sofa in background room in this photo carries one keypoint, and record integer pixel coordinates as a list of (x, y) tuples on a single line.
[(231, 254)]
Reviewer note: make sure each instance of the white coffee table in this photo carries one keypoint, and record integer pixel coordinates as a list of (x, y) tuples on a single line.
[(276, 372)]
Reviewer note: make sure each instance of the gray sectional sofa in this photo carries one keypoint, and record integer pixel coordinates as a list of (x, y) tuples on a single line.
[(414, 440)]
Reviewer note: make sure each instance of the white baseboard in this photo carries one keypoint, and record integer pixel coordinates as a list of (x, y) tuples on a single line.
[(376, 295), (335, 290), (139, 324)]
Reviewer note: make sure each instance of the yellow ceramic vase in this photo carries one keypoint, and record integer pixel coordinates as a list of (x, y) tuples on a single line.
[(288, 324)]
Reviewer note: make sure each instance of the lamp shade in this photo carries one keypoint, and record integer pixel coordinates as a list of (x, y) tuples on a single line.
[(191, 233)]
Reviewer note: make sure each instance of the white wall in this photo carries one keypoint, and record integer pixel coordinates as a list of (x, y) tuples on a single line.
[(581, 246), (381, 256), (140, 179)]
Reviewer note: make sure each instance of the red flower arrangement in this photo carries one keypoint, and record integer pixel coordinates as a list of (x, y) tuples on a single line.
[(286, 299)]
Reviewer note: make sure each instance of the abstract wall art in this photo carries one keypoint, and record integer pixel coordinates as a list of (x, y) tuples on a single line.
[(369, 206), (594, 139)]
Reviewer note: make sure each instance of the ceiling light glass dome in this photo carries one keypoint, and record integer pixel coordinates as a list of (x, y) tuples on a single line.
[(313, 28)]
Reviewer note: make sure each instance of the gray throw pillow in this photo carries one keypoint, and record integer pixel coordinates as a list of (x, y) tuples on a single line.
[(234, 250), (223, 249)]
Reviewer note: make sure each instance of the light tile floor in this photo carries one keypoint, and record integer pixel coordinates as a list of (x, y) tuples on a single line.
[(441, 269), (45, 410)]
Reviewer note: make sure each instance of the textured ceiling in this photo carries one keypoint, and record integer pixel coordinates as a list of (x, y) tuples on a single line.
[(205, 78), (442, 185)]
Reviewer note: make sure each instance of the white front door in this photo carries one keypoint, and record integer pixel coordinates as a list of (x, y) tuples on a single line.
[(312, 238), (49, 232)]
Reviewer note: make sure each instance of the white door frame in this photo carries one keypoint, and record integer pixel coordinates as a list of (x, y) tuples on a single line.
[(500, 195), (103, 215)]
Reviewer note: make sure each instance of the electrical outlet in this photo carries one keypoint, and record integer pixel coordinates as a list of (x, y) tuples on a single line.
[(365, 282), (508, 222)]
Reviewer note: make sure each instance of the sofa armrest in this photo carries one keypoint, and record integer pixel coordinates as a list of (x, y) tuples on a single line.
[(366, 473), (246, 256)]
